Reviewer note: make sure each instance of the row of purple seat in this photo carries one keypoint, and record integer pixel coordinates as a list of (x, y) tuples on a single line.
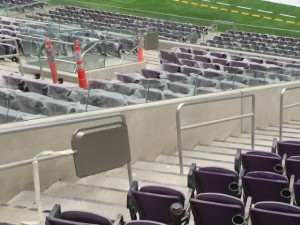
[(217, 189)]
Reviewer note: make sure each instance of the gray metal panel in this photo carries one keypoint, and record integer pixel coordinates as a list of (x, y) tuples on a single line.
[(100, 148), (151, 40)]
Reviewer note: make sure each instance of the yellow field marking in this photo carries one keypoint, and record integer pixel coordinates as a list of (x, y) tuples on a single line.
[(176, 0), (279, 20), (194, 3), (213, 7), (291, 22), (204, 5), (255, 15), (234, 11), (267, 18), (224, 9), (245, 13), (185, 2)]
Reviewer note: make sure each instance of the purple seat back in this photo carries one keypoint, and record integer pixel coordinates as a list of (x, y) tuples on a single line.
[(292, 166), (168, 56), (265, 186), (213, 209), (153, 202), (144, 222), (78, 217), (260, 161), (274, 213), (171, 67), (290, 148), (214, 179)]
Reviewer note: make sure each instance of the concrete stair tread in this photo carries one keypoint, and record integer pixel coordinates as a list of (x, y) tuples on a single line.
[(207, 156), (158, 167), (27, 199), (15, 215), (284, 129), (68, 189), (258, 137), (275, 134), (240, 140), (142, 175), (216, 149), (189, 161), (120, 183), (237, 145)]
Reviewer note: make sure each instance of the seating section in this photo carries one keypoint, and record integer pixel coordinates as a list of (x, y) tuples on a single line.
[(21, 5), (215, 71), (120, 23), (258, 43)]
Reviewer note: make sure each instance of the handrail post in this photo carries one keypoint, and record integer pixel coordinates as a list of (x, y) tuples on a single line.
[(281, 113), (37, 188), (179, 142), (253, 123)]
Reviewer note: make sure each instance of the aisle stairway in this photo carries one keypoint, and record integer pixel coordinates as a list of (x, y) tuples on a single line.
[(106, 193)]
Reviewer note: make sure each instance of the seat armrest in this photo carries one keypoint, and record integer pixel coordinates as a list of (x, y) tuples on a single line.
[(247, 208), (189, 195), (130, 201), (274, 145), (56, 211), (119, 220), (238, 160), (283, 160), (291, 188), (190, 182)]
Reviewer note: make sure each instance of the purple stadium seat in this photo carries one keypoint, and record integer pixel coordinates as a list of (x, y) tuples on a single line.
[(292, 167), (144, 222), (154, 203), (150, 73), (171, 67), (274, 213), (267, 186), (127, 77), (214, 179), (218, 209), (56, 217), (290, 148), (259, 161)]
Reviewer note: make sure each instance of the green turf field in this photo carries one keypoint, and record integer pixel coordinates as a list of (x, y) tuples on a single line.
[(264, 14)]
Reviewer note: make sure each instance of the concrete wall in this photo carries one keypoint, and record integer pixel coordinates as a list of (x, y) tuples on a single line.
[(152, 130)]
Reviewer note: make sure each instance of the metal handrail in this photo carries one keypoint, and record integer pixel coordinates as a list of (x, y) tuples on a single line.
[(282, 107), (14, 55), (192, 126), (135, 48)]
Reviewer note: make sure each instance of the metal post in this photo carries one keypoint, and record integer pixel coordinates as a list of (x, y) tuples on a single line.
[(129, 168), (37, 188), (281, 113), (179, 143), (253, 123)]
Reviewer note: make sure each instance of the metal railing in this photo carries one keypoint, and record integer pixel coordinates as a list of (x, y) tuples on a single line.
[(192, 126), (49, 155), (282, 107), (17, 54)]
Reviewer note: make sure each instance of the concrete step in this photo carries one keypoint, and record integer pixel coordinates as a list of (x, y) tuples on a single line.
[(240, 140), (237, 145), (258, 137), (217, 150), (89, 192), (284, 129), (143, 175), (158, 167), (27, 199), (290, 125), (122, 183), (16, 214), (275, 134), (207, 156), (189, 161)]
